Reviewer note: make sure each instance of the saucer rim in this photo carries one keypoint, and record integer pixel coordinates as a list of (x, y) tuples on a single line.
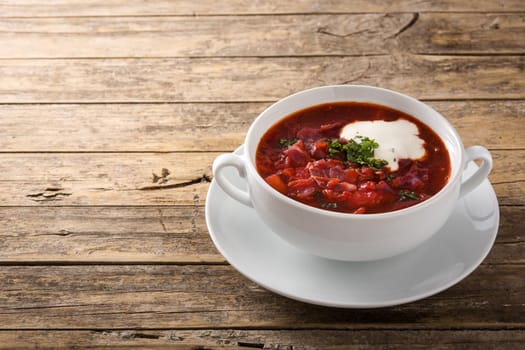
[(354, 304)]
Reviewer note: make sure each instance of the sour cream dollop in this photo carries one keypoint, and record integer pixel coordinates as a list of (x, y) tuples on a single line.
[(397, 139)]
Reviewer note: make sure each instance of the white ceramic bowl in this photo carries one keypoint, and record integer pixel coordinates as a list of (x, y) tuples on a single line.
[(344, 236)]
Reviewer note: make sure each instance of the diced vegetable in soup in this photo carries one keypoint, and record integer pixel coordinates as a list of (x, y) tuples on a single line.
[(353, 157)]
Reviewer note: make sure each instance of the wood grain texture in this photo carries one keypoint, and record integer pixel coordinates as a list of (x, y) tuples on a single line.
[(480, 33), (265, 339), (195, 36), (270, 7), (169, 296), (154, 235), (111, 113), (130, 127), (105, 179), (216, 126), (255, 79), (102, 234), (127, 178), (292, 35)]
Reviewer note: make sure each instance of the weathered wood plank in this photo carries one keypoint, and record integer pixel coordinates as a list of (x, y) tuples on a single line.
[(105, 179), (352, 34), (217, 126), (168, 296), (119, 127), (271, 7), (197, 36), (255, 79), (148, 234), (266, 339), (127, 178), (480, 33), (107, 234)]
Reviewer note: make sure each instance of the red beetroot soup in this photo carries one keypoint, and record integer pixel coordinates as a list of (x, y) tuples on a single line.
[(304, 157)]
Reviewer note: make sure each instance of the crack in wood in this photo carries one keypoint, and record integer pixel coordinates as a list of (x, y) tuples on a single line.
[(53, 189), (38, 194), (203, 179), (50, 193), (324, 30), (61, 233), (415, 17), (146, 336), (250, 345)]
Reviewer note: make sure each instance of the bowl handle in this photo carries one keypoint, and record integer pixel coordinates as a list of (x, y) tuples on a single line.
[(474, 153), (226, 160)]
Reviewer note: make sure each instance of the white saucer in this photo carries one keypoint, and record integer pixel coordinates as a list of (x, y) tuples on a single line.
[(259, 254)]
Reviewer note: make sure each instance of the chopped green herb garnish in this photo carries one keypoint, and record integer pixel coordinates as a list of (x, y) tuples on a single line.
[(287, 142), (335, 147), (329, 205), (358, 152), (377, 164), (408, 195), (390, 177)]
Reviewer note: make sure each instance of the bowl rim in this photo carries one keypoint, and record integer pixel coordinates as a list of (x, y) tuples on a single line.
[(449, 186)]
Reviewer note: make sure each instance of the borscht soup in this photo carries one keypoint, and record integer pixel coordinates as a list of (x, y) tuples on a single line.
[(353, 157)]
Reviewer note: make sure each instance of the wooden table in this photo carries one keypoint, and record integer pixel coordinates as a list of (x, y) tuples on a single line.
[(111, 113)]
